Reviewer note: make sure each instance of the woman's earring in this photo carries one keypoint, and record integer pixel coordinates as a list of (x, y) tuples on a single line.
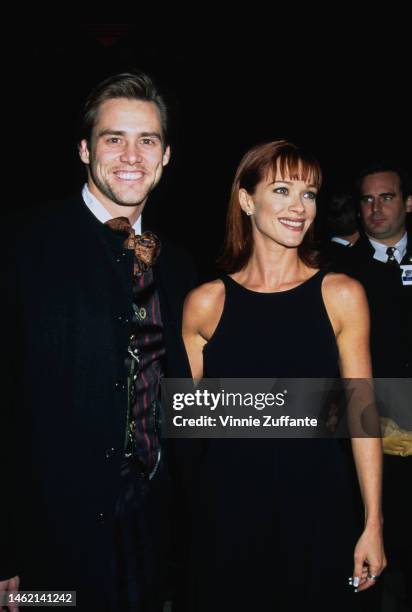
[(248, 213)]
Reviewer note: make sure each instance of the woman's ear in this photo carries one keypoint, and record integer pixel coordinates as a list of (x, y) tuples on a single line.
[(246, 202)]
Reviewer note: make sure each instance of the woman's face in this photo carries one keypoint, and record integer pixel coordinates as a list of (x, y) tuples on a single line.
[(282, 209)]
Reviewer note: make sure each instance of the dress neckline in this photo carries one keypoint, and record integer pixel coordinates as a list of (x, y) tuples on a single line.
[(304, 283)]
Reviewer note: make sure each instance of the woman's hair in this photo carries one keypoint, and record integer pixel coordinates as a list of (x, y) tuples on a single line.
[(260, 162)]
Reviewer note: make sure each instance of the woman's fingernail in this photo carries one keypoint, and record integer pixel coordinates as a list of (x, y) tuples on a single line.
[(356, 581)]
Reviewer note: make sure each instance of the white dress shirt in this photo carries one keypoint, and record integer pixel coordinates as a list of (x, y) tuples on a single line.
[(342, 241), (380, 249), (101, 213)]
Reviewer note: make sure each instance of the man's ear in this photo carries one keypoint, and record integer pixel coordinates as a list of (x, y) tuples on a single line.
[(166, 156), (408, 204), (246, 202), (84, 151)]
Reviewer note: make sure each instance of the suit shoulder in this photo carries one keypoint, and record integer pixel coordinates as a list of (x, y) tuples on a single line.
[(41, 217), (173, 249), (177, 257)]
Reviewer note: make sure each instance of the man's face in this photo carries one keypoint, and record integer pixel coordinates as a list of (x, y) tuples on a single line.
[(126, 154), (383, 209)]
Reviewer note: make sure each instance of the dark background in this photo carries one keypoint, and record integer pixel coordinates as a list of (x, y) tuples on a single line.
[(344, 94)]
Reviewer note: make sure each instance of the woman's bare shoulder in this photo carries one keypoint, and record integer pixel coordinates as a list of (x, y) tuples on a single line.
[(205, 299), (345, 300), (339, 287)]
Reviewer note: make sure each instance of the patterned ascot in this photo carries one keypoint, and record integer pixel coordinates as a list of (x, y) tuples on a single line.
[(146, 247), (145, 352)]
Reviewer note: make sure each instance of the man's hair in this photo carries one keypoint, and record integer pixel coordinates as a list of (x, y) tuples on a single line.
[(386, 166), (131, 85), (341, 219)]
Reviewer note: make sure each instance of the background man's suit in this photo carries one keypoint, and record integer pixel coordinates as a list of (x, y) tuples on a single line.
[(390, 305)]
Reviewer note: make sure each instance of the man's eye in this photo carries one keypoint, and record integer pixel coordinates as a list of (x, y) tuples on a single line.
[(148, 141), (113, 140), (388, 198), (366, 199)]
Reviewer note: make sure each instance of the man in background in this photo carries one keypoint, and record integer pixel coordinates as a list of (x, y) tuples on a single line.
[(382, 260)]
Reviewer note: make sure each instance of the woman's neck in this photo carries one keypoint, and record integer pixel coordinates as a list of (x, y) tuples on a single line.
[(273, 271)]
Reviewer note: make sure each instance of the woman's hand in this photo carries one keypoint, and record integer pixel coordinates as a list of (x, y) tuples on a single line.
[(369, 558)]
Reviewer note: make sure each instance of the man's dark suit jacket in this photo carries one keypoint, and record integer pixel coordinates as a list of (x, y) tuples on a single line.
[(335, 255), (390, 305), (69, 289)]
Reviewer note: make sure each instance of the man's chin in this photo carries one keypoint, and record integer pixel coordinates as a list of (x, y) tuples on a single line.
[(378, 233), (130, 201)]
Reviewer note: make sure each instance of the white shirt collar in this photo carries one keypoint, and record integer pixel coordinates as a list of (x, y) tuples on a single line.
[(380, 249), (340, 240), (100, 212)]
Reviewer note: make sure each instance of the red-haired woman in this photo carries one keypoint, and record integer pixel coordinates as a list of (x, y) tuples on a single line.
[(274, 523)]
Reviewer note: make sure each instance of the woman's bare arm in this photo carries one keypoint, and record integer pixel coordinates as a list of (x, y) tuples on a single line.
[(348, 309), (201, 313)]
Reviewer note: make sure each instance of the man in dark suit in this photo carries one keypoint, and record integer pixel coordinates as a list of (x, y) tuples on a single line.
[(382, 261), (93, 325)]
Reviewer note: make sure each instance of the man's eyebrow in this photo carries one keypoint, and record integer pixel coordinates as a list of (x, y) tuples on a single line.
[(383, 194), (109, 132)]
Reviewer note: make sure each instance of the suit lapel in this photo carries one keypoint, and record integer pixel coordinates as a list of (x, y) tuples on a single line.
[(408, 255)]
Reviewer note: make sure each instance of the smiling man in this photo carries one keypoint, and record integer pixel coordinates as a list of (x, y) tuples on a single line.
[(93, 325), (125, 154)]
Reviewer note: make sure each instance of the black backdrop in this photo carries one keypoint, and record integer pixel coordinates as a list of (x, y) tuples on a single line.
[(345, 96)]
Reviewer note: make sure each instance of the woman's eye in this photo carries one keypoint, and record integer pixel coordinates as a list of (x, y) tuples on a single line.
[(311, 195), (282, 190)]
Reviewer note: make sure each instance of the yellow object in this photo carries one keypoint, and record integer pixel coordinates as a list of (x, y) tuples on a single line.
[(396, 441)]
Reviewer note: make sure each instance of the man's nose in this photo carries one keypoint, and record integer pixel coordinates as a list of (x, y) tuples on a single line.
[(131, 154), (376, 205)]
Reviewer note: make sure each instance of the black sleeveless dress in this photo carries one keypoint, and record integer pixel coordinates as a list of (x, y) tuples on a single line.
[(273, 518)]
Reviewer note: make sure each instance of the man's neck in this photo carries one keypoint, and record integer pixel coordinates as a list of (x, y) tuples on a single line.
[(380, 249), (131, 212), (101, 212), (389, 242)]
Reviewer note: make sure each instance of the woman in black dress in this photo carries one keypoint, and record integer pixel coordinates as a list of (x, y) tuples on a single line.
[(273, 525)]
